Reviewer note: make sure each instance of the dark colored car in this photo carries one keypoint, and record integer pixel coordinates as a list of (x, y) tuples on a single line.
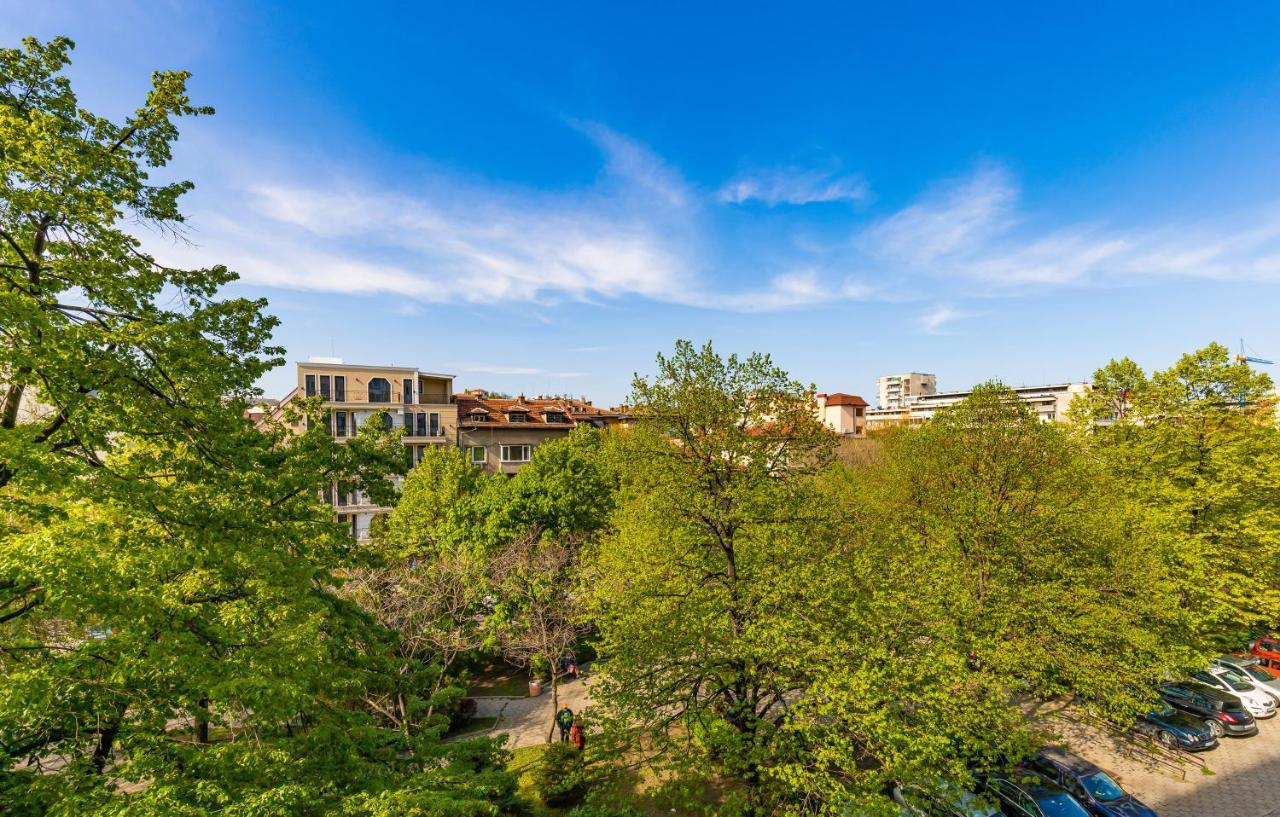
[(1094, 788), (947, 802), (1222, 712), (1029, 795), (1174, 729)]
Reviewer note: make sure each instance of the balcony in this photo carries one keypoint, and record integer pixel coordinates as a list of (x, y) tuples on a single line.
[(390, 398)]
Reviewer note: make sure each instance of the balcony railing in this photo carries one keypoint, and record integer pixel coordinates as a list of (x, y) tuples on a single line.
[(394, 397)]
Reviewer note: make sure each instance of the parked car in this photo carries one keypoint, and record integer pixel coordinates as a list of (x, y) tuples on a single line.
[(949, 802), (1090, 785), (1251, 668), (1267, 651), (1223, 713), (1172, 728), (1260, 704), (1029, 795)]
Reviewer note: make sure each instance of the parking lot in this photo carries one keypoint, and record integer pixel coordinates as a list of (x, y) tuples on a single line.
[(1241, 778)]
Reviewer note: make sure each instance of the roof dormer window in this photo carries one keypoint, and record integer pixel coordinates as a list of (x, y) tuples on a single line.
[(518, 416), (556, 417)]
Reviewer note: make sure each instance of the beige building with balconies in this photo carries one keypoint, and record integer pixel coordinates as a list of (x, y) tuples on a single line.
[(419, 402)]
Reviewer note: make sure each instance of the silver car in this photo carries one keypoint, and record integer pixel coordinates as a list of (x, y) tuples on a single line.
[(1257, 701), (1251, 668)]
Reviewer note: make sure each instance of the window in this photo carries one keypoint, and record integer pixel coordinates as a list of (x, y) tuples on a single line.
[(422, 425), (339, 388), (311, 385), (518, 417), (433, 426), (387, 422), (341, 418), (477, 455), (408, 390), (479, 418), (324, 386), (328, 424), (379, 390), (556, 417), (516, 453)]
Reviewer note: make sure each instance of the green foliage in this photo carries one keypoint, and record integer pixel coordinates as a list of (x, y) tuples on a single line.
[(701, 585), (1199, 450), (560, 777), (565, 490), (166, 568), (443, 506)]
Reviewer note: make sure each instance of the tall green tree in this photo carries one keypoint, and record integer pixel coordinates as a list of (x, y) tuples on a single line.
[(170, 641), (986, 566), (701, 583), (1199, 450)]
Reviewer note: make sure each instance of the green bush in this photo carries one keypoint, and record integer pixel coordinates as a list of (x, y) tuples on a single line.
[(560, 778)]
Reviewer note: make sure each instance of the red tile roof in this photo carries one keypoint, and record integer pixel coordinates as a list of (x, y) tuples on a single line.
[(839, 398), (471, 406)]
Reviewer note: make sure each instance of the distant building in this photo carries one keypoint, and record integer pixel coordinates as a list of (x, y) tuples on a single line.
[(419, 402), (499, 434), (896, 390), (845, 414), (1050, 404)]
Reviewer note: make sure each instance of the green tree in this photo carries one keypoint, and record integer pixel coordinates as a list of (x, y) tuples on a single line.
[(702, 581), (987, 564), (1200, 451), (166, 568)]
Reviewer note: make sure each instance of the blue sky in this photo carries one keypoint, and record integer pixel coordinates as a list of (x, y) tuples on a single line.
[(539, 197)]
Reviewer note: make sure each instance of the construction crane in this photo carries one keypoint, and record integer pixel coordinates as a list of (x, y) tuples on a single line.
[(1246, 358)]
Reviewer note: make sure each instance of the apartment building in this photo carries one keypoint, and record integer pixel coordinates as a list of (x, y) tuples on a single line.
[(896, 390), (499, 434), (404, 397), (845, 414), (1049, 402)]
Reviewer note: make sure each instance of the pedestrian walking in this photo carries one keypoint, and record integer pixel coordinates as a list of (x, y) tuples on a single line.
[(577, 735), (564, 719)]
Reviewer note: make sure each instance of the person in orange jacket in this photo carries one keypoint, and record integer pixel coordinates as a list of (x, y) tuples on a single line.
[(577, 735)]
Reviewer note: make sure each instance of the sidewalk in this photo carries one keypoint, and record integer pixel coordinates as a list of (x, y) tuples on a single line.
[(528, 720)]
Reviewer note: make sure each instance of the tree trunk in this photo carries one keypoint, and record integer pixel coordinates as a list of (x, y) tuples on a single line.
[(202, 721), (555, 703)]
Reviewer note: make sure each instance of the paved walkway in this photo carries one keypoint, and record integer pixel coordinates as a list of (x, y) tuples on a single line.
[(527, 720), (1241, 777)]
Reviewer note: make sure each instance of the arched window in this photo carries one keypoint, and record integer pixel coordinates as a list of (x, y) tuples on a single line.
[(379, 390)]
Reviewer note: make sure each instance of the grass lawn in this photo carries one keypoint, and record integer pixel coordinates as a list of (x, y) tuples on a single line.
[(634, 789)]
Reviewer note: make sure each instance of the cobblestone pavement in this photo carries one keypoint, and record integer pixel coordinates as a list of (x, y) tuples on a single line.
[(527, 720), (1241, 778)]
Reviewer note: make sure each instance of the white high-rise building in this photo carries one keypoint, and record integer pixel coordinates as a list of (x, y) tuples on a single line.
[(894, 391)]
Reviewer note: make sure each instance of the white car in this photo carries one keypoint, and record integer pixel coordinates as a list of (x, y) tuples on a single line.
[(1251, 669), (1259, 704)]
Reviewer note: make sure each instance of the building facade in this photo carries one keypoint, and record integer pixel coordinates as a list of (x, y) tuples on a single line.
[(1049, 402), (895, 390), (499, 434), (845, 414), (419, 402)]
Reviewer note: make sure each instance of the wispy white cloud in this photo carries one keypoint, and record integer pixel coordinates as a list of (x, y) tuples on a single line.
[(642, 231), (512, 371), (794, 186), (956, 217), (934, 321), (970, 234)]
